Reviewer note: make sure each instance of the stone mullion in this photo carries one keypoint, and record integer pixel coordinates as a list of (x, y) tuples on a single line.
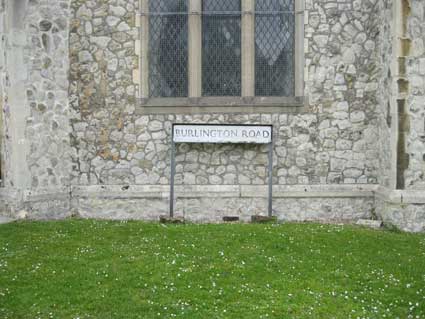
[(248, 48), (195, 48), (299, 47), (144, 48)]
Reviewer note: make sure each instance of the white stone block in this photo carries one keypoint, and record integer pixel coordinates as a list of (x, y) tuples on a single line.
[(376, 224)]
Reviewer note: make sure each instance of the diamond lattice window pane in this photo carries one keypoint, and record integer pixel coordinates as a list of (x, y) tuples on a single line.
[(168, 56), (274, 48), (221, 48)]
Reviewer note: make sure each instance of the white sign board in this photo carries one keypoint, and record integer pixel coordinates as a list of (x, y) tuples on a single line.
[(187, 133)]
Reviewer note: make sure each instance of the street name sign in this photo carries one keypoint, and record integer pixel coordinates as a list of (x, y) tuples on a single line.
[(238, 134)]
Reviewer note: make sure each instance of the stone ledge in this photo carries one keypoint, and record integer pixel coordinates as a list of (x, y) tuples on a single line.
[(193, 191), (10, 194), (121, 191), (47, 194), (223, 191), (155, 191), (401, 196), (309, 191)]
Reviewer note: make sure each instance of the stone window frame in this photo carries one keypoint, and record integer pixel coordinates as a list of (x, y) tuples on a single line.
[(248, 102)]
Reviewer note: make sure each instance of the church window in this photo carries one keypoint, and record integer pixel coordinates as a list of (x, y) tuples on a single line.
[(220, 48)]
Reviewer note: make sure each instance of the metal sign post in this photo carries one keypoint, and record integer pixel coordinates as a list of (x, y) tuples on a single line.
[(222, 134), (173, 172)]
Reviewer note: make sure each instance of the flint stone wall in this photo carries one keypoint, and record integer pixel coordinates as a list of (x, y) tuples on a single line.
[(334, 141), (408, 217), (403, 209), (48, 126), (87, 145), (35, 105)]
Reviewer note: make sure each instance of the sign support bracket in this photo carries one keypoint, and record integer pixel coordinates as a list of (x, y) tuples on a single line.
[(269, 166), (270, 179)]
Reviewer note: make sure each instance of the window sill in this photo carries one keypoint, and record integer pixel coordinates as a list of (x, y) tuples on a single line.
[(222, 105)]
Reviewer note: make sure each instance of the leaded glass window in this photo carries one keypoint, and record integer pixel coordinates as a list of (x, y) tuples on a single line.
[(198, 48), (168, 48), (274, 47), (221, 48)]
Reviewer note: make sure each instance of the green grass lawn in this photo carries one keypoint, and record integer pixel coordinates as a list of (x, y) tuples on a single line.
[(100, 269)]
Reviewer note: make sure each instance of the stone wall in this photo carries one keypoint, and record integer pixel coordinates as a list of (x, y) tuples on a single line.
[(409, 217), (2, 81), (8, 199), (212, 210), (210, 203), (408, 211), (385, 95), (332, 142), (102, 92), (48, 126), (415, 74), (2, 96), (405, 140), (342, 87), (76, 136), (37, 136), (4, 145)]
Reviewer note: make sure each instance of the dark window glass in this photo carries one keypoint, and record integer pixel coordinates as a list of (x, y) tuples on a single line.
[(221, 48), (274, 48), (168, 57)]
